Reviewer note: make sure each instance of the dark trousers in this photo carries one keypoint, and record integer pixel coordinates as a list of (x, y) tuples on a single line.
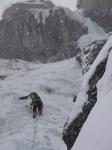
[(39, 105), (35, 105)]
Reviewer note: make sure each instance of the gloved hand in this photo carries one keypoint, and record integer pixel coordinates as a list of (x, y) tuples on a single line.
[(20, 98), (24, 97)]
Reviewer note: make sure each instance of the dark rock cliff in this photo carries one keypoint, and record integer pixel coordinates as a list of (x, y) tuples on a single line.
[(94, 4), (40, 31)]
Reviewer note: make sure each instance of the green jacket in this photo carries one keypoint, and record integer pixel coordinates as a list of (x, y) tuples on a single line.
[(34, 97)]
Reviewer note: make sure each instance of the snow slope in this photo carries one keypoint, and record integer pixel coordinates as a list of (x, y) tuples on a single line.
[(96, 133), (56, 83)]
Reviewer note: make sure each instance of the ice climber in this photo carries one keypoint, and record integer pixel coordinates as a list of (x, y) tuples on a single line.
[(36, 103)]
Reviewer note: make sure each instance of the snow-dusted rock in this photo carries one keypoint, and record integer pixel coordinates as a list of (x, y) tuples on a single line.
[(87, 55), (89, 94)]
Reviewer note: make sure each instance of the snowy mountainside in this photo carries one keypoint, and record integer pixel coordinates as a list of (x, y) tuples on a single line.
[(56, 83), (93, 88), (97, 128), (45, 32), (30, 31)]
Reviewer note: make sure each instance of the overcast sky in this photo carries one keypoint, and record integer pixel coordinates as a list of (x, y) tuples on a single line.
[(68, 3)]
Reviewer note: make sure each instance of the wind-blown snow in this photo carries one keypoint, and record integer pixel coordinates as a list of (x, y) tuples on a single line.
[(56, 83), (96, 133), (95, 32)]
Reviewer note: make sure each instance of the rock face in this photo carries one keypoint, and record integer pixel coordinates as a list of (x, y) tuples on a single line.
[(90, 4), (38, 30), (87, 55), (72, 131), (99, 11)]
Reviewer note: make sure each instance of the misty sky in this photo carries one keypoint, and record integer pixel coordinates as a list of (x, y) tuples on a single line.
[(68, 3)]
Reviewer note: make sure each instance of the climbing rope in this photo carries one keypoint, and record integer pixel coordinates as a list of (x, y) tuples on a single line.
[(34, 134)]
